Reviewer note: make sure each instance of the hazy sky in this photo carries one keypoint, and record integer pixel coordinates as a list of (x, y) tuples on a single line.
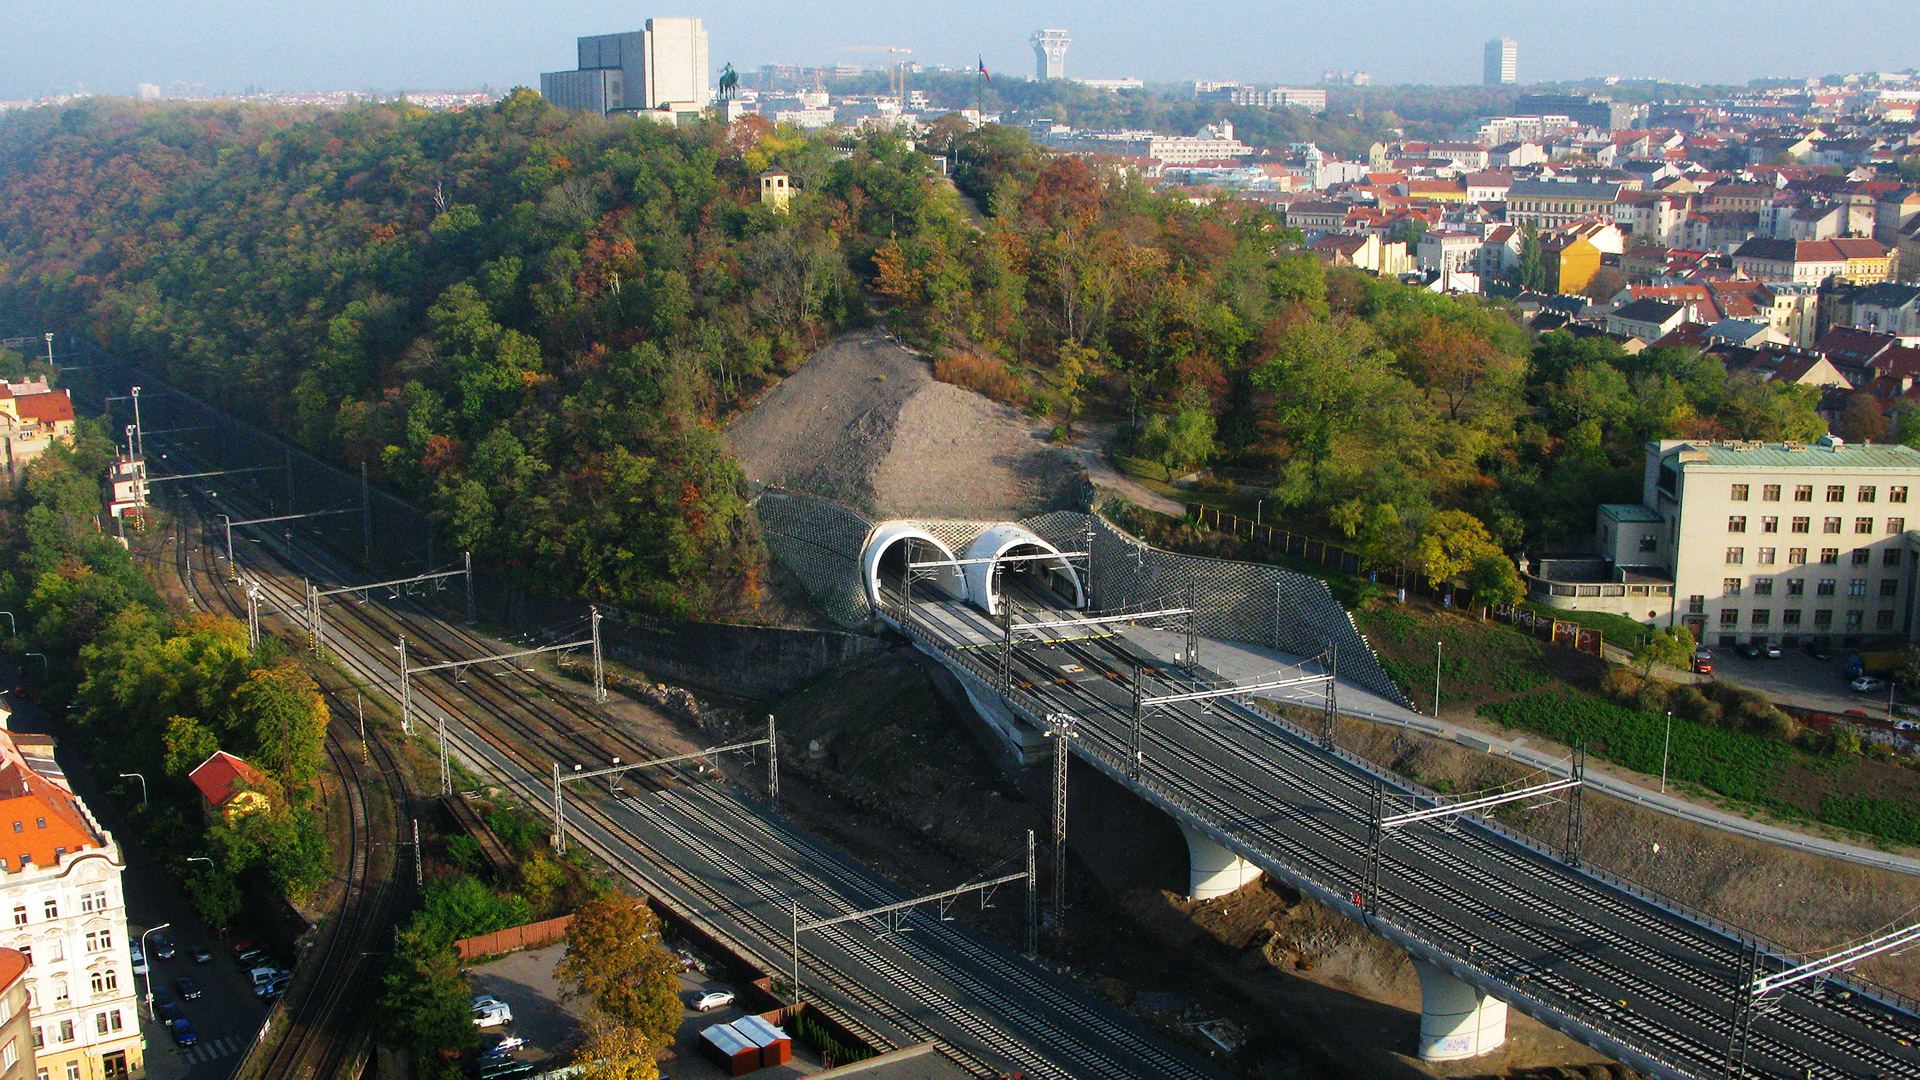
[(109, 46)]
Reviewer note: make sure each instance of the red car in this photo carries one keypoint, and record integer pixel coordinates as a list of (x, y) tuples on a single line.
[(1703, 663)]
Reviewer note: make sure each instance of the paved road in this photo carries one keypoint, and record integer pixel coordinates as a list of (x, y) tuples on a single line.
[(1619, 972)]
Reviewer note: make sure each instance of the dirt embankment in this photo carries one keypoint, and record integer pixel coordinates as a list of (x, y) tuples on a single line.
[(865, 422)]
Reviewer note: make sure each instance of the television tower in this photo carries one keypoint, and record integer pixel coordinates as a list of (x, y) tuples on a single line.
[(1050, 54)]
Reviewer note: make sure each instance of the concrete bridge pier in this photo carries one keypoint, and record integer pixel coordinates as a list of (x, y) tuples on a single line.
[(1457, 1019), (1212, 870)]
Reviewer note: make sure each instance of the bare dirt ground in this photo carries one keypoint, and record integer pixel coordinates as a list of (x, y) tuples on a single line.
[(865, 422)]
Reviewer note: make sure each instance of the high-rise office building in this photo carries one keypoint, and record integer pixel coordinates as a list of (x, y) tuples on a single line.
[(1050, 54), (662, 65), (1502, 66)]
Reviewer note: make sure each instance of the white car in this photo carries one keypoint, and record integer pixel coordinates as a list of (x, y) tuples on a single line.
[(1867, 684), (709, 1000), (139, 960), (492, 1014)]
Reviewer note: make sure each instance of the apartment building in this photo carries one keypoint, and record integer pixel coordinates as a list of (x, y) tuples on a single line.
[(1775, 542), (1555, 204), (16, 1018), (60, 897)]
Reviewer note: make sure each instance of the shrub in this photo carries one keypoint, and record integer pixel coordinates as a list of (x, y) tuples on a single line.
[(982, 374)]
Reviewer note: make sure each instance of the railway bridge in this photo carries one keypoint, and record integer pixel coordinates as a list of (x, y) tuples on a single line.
[(1067, 632)]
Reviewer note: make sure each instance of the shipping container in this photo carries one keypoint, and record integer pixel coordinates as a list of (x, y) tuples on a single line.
[(730, 1050), (775, 1047)]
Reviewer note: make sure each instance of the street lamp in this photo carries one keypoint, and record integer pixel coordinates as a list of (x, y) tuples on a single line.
[(143, 952), (1436, 680), (49, 350), (200, 858), (143, 784), (46, 669), (1664, 747), (13, 628)]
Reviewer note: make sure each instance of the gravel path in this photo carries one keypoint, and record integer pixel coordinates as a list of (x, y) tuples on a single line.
[(865, 422)]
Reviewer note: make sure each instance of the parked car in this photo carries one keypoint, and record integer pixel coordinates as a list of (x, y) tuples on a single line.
[(265, 974), (183, 1033), (139, 959), (1906, 725), (267, 991), (163, 947), (1770, 651), (168, 1011), (188, 989), (1750, 650), (1867, 684), (246, 952), (1703, 663), (492, 1014), (687, 960), (708, 1000), (1819, 651), (201, 954)]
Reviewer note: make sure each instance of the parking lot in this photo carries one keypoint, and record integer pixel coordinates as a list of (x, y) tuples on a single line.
[(551, 1027), (1797, 679)]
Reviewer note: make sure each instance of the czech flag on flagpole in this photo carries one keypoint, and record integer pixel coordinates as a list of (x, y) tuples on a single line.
[(983, 70)]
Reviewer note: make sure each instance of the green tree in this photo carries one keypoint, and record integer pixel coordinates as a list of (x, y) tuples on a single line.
[(616, 959), (1454, 541), (1180, 441), (425, 1001), (615, 1051), (1672, 647), (1494, 580), (188, 744), (288, 720)]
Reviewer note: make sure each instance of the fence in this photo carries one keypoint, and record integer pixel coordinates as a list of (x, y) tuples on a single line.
[(1572, 635), (1281, 541), (529, 936)]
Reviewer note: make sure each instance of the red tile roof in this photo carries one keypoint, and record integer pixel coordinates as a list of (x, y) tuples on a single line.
[(46, 408), (222, 776)]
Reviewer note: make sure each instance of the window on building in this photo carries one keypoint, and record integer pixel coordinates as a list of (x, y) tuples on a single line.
[(1770, 493), (106, 1023), (1796, 586), (1739, 493), (99, 940), (1801, 524), (1856, 620), (1823, 587), (1736, 555), (1862, 556), (1890, 557), (1737, 523), (1764, 556), (1822, 618), (1863, 526), (73, 1067), (1897, 494), (105, 982), (94, 901), (1729, 617), (113, 1066), (39, 1039), (1883, 619), (1830, 556), (66, 1031), (1770, 524), (59, 945), (20, 915), (1836, 493), (50, 908), (1796, 556), (1649, 542), (60, 994), (1857, 586), (1730, 587), (1790, 617), (1696, 605), (1762, 618), (1867, 494), (1803, 493), (1890, 586), (1763, 586), (1830, 525)]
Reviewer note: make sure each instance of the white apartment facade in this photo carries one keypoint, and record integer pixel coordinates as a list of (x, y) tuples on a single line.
[(62, 906), (1778, 543)]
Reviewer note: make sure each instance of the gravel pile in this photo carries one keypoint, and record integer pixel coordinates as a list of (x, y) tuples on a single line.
[(864, 422)]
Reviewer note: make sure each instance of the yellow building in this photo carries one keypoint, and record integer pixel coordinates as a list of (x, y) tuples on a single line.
[(1571, 262), (776, 189), (33, 416), (230, 786), (1868, 261)]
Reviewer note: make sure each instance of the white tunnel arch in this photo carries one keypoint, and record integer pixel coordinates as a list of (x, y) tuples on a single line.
[(1010, 539), (945, 581)]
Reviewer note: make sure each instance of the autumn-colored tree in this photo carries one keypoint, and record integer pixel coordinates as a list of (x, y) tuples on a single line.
[(1453, 542), (616, 1051), (617, 961), (1459, 365)]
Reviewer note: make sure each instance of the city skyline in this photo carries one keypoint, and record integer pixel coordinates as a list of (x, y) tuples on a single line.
[(305, 45)]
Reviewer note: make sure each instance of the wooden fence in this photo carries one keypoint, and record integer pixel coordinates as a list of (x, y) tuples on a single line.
[(529, 936)]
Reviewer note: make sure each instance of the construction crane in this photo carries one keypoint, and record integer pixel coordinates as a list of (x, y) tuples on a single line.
[(896, 72)]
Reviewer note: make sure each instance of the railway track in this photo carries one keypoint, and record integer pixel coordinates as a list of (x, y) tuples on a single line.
[(1639, 974), (497, 722), (323, 1024)]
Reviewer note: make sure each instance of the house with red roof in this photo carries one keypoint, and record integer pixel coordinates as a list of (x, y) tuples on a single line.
[(229, 787), (33, 416)]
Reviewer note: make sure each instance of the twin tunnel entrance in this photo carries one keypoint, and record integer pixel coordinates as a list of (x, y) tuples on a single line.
[(1004, 560)]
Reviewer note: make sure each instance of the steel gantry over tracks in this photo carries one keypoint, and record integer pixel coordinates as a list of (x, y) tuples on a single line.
[(406, 685), (561, 779), (316, 627)]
